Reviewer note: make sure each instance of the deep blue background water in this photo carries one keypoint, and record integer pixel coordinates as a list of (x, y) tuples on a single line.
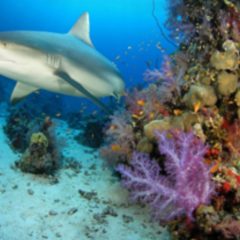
[(122, 30)]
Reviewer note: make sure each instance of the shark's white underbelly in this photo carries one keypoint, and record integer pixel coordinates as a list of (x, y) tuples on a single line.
[(37, 75), (41, 76)]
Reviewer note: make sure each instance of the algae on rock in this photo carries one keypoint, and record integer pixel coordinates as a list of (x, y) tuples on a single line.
[(38, 158)]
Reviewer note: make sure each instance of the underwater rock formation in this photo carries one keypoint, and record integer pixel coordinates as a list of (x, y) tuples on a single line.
[(42, 155), (92, 135), (36, 159)]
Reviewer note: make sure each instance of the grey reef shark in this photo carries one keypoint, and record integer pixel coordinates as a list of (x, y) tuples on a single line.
[(62, 63)]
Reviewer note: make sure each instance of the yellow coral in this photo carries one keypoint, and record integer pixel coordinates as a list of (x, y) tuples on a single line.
[(200, 95), (224, 60), (39, 138), (227, 83)]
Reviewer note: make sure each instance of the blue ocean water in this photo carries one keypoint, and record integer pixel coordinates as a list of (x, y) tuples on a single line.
[(124, 31)]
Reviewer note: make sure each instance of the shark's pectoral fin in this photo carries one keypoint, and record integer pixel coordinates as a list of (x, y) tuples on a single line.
[(81, 29), (63, 75), (20, 91)]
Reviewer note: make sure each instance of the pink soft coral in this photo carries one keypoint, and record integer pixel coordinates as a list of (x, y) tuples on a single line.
[(186, 184)]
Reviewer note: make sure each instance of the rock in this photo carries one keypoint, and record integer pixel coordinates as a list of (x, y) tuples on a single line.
[(58, 235), (52, 213), (30, 191), (36, 163), (159, 125), (201, 95), (110, 211), (38, 158), (227, 83), (227, 60), (100, 218), (127, 219), (72, 211), (92, 195), (15, 187), (2, 190)]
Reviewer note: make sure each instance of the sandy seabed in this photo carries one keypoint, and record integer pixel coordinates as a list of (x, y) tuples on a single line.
[(81, 205)]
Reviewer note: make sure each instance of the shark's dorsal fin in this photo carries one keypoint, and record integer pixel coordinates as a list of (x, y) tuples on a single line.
[(81, 29), (20, 91)]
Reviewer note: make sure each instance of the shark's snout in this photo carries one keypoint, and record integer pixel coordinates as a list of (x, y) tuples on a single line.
[(118, 84)]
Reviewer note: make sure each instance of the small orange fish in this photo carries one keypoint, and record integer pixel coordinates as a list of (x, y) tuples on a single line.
[(135, 116), (214, 168), (177, 112), (115, 147), (138, 115), (112, 127), (196, 106), (141, 102)]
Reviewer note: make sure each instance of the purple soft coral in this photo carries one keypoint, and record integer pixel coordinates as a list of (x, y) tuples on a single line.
[(169, 79), (186, 184), (157, 75)]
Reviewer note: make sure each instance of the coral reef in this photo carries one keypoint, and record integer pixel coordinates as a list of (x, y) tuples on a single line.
[(196, 92), (42, 155), (92, 134)]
